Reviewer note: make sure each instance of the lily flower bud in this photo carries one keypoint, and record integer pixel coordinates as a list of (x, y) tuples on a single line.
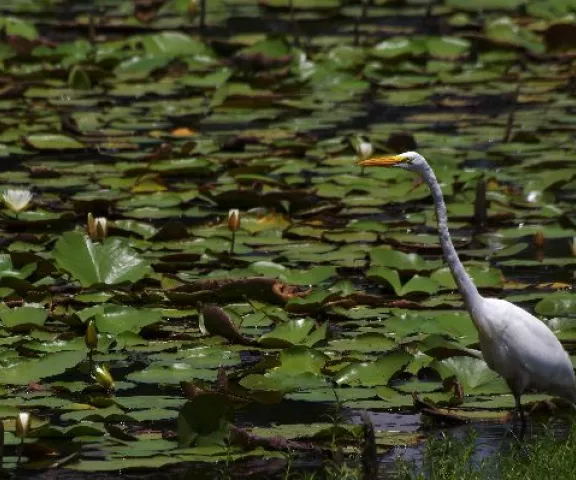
[(103, 377), (22, 424), (234, 219), (91, 336), (364, 148), (539, 239), (97, 227)]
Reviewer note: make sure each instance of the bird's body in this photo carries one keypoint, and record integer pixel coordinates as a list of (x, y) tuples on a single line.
[(525, 353), (514, 343)]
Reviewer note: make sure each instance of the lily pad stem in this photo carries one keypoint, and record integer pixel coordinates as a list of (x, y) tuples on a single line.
[(233, 241), (20, 450)]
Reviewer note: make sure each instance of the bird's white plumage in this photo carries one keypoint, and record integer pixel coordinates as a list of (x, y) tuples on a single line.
[(514, 343), (523, 349)]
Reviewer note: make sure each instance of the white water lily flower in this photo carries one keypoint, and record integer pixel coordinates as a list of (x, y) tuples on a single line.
[(365, 150), (17, 199), (97, 227), (22, 424), (363, 147)]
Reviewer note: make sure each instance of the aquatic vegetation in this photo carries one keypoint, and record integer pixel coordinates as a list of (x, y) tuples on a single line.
[(164, 118), (17, 199)]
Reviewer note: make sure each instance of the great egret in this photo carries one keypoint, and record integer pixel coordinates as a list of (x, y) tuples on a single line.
[(514, 343)]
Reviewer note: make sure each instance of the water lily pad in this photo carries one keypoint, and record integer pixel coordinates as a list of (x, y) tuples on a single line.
[(204, 420), (53, 142), (561, 303), (474, 375), (288, 333), (416, 284), (23, 317), (91, 263), (22, 371), (399, 260), (378, 372), (116, 319)]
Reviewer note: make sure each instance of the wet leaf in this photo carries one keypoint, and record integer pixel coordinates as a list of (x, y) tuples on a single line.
[(22, 371), (377, 372), (23, 317), (111, 262), (474, 374), (116, 319), (288, 333)]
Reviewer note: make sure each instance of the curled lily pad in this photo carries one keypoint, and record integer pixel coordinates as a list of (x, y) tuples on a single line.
[(474, 375), (7, 268), (416, 284), (204, 420)]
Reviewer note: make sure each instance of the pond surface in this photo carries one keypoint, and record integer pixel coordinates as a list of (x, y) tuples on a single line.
[(149, 328)]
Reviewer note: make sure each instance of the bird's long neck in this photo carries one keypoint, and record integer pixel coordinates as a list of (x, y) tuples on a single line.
[(466, 287)]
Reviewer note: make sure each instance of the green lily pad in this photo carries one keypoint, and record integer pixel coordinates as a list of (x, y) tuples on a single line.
[(111, 262), (116, 319), (474, 375), (22, 371), (26, 316), (288, 333), (561, 303), (416, 284), (482, 277), (53, 142), (395, 259), (378, 372), (204, 420)]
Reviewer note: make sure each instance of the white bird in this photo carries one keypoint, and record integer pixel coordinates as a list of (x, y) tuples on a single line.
[(514, 343)]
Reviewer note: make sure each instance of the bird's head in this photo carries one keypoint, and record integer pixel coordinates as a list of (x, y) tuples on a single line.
[(407, 160)]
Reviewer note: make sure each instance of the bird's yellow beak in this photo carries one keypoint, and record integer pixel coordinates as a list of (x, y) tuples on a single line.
[(381, 161)]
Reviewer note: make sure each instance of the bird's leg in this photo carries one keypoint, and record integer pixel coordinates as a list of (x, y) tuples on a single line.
[(520, 413)]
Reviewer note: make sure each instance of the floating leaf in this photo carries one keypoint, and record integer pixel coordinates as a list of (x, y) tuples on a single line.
[(204, 420), (23, 317), (395, 259), (378, 372), (19, 27), (116, 319), (474, 375), (22, 371), (288, 333), (416, 284), (111, 262), (483, 277), (561, 303), (53, 142)]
